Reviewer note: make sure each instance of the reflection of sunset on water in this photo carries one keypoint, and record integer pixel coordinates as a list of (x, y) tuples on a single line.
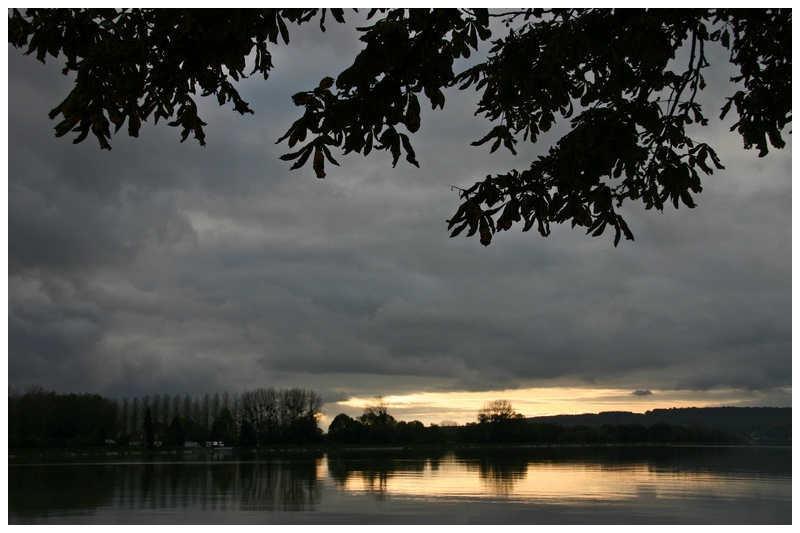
[(391, 485), (550, 482)]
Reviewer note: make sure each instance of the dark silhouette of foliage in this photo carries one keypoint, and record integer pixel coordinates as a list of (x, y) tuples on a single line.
[(662, 432), (376, 413), (247, 434), (194, 431), (345, 430), (45, 419), (627, 432), (497, 411), (543, 433), (283, 416), (410, 432), (745, 422), (149, 431), (224, 427), (176, 435), (614, 75), (498, 422), (584, 435), (379, 425)]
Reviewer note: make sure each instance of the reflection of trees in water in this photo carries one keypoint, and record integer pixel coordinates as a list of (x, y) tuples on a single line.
[(273, 485), (707, 459), (498, 469), (683, 458), (374, 473), (435, 462), (58, 490), (288, 482), (375, 468), (171, 485), (280, 485)]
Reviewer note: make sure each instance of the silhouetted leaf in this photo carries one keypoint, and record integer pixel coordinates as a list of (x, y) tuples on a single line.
[(319, 162)]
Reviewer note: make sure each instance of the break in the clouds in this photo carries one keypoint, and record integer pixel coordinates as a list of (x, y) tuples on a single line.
[(167, 267)]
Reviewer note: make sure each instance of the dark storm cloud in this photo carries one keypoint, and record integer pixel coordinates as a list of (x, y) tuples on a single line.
[(54, 332), (167, 267)]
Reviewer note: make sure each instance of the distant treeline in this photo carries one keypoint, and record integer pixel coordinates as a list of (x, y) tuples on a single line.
[(498, 423), (524, 431), (771, 424), (270, 416), (351, 431), (377, 426), (37, 418), (46, 419)]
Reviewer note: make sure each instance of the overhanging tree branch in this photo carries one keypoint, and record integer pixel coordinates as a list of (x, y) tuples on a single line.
[(603, 70)]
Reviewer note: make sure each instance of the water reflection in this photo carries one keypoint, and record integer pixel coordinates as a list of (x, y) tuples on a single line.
[(373, 470), (643, 484), (282, 485), (38, 490), (561, 475), (499, 473), (66, 488)]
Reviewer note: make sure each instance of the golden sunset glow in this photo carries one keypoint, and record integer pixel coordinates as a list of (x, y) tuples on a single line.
[(463, 407)]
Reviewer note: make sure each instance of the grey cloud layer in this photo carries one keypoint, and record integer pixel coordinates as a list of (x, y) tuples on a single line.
[(163, 266)]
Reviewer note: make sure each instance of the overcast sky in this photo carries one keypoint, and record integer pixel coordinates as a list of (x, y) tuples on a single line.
[(162, 267)]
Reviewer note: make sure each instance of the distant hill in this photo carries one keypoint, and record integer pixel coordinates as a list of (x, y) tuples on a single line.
[(762, 423)]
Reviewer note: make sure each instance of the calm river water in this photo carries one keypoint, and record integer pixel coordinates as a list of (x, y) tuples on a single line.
[(640, 485)]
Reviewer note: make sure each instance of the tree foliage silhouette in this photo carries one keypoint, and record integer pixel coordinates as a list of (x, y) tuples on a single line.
[(149, 431), (376, 413), (497, 411), (618, 76), (176, 434)]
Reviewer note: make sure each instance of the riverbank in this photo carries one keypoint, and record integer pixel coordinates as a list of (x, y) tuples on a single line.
[(333, 448)]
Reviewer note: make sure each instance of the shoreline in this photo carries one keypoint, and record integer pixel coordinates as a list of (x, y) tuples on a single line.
[(267, 450)]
